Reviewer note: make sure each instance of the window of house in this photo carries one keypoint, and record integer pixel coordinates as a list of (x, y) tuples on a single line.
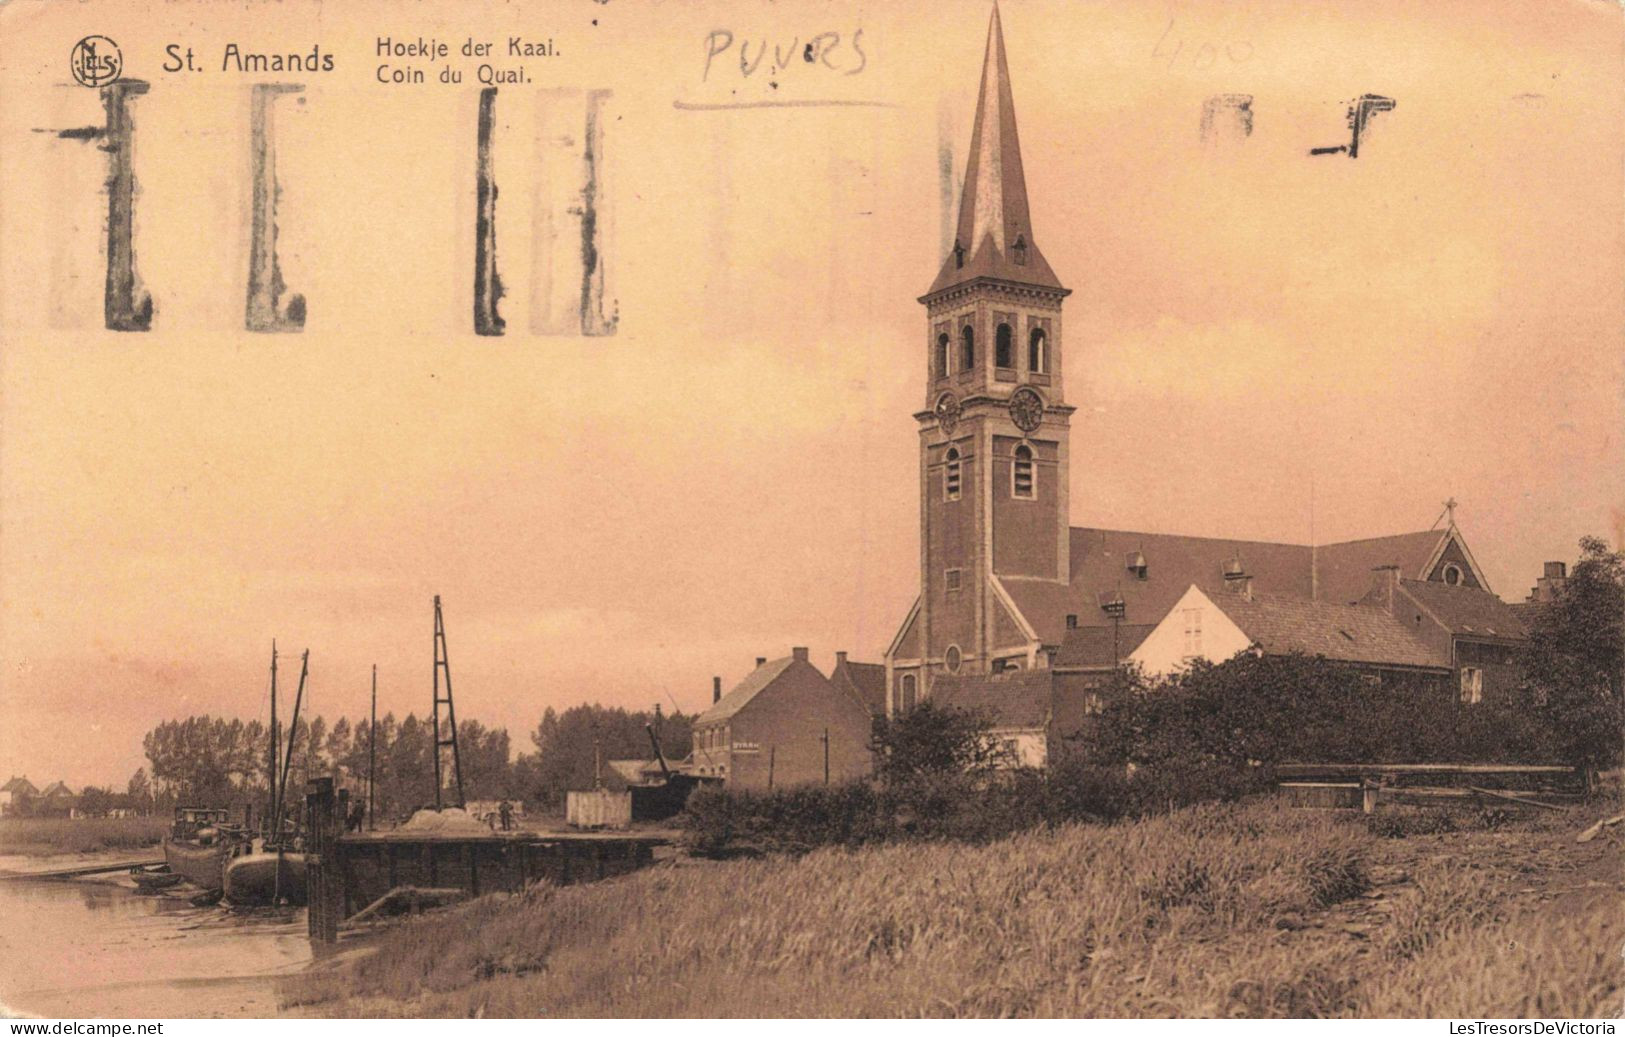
[(951, 658), (967, 348), (1022, 483), (1472, 685), (1193, 632), (950, 475), (1004, 347), (950, 579), (1037, 352), (906, 691)]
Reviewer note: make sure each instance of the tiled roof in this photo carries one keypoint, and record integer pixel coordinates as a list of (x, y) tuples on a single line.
[(1280, 624), (745, 690), (1466, 610), (18, 785), (1345, 569), (57, 788), (865, 681), (628, 770), (1091, 647), (1172, 563), (1017, 699)]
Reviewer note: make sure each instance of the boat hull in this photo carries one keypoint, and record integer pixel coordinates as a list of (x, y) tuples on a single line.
[(202, 866), (254, 879)]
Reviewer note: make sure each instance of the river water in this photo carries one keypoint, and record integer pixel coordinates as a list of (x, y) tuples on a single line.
[(78, 949)]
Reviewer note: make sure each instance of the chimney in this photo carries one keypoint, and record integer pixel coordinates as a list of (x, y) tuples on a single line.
[(799, 654), (716, 689), (761, 660), (1551, 583), (840, 659), (1072, 621), (1384, 587)]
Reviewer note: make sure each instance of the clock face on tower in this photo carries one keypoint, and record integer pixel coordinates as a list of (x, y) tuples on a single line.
[(947, 410), (1026, 409)]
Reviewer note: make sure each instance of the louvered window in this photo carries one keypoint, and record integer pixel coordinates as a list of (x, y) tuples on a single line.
[(1022, 483), (950, 475)]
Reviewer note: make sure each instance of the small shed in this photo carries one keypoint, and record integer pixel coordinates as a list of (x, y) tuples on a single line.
[(598, 808)]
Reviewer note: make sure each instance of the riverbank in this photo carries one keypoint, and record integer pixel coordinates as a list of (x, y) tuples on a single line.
[(51, 836), (1253, 910)]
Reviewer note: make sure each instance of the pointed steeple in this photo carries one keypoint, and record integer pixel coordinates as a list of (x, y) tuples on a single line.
[(994, 237)]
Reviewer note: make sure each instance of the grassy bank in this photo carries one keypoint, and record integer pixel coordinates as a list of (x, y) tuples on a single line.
[(45, 836), (1236, 910)]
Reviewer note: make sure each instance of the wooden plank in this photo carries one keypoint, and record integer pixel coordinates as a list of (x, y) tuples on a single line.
[(73, 873), (1310, 770)]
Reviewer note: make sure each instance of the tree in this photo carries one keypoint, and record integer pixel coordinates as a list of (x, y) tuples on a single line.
[(929, 739), (140, 791), (1574, 659)]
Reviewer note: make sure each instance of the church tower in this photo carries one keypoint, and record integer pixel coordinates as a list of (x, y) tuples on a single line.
[(993, 434)]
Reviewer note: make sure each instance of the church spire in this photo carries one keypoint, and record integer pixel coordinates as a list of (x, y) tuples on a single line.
[(994, 236)]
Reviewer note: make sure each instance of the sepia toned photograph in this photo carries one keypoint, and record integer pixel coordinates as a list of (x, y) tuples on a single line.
[(987, 509)]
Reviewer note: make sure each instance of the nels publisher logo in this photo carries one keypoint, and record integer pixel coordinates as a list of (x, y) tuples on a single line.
[(95, 61)]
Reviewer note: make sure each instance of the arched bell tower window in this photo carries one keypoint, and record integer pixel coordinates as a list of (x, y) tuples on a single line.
[(1004, 347), (1023, 484), (1038, 352), (939, 362), (950, 475), (967, 348)]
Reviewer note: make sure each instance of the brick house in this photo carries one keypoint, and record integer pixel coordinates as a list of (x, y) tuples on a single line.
[(1472, 632), (784, 724), (865, 682)]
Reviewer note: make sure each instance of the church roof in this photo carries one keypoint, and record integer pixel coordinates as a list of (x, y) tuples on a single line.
[(1466, 611), (1339, 573), (1345, 569), (1013, 699), (995, 232), (1280, 624)]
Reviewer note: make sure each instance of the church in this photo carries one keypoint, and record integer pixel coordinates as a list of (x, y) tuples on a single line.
[(1019, 611)]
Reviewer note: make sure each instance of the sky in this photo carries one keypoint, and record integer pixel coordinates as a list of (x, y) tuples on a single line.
[(1261, 343)]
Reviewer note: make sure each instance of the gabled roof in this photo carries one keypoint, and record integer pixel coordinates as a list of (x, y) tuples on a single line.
[(1345, 569), (628, 770), (993, 212), (1281, 624), (1340, 573), (19, 784), (864, 681), (1015, 699), (1091, 648), (57, 788), (1466, 611), (745, 690)]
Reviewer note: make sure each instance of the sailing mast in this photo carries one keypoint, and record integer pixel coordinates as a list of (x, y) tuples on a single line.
[(372, 749), (270, 767), (287, 762)]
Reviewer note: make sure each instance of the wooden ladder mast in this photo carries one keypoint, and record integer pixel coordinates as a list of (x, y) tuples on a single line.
[(444, 736)]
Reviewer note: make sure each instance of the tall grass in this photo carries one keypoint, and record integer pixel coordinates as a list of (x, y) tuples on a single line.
[(1246, 910), (44, 836)]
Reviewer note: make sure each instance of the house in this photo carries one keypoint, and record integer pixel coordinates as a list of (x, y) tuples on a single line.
[(1019, 704), (865, 682), (637, 772), (1006, 581), (56, 800), (784, 724), (1472, 632), (16, 794), (1216, 627)]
